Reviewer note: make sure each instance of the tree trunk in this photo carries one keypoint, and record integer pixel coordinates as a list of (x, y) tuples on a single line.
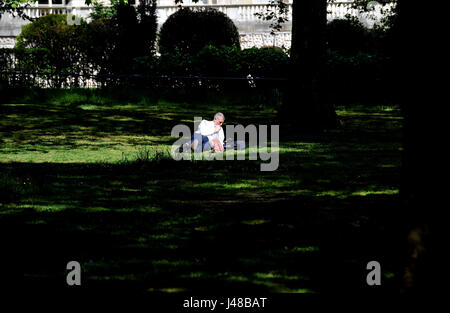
[(420, 54), (304, 102)]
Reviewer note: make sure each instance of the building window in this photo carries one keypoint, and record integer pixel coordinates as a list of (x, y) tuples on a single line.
[(55, 2)]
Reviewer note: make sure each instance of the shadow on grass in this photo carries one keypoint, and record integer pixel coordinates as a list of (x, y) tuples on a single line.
[(208, 226), (178, 226)]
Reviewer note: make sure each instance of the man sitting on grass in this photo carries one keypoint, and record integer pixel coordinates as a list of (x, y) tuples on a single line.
[(208, 135)]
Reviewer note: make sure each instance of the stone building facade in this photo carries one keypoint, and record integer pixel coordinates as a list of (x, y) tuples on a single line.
[(253, 31)]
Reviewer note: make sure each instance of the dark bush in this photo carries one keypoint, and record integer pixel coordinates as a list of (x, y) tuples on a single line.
[(346, 36), (32, 60), (359, 66), (97, 41), (24, 67), (178, 63), (264, 62), (363, 78), (6, 59), (220, 61), (232, 62), (188, 31)]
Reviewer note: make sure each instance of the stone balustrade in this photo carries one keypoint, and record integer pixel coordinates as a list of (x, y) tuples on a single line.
[(239, 12), (35, 11), (253, 31)]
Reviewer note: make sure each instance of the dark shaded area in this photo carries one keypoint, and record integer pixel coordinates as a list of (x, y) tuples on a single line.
[(303, 101), (420, 58), (348, 74), (193, 238), (210, 227)]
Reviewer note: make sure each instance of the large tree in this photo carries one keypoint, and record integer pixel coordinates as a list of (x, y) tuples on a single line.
[(420, 56), (304, 103)]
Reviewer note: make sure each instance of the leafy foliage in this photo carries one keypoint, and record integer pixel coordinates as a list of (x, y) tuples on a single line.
[(106, 45), (221, 61), (230, 61), (190, 30), (367, 7), (51, 32), (97, 40), (102, 11), (30, 61), (14, 7), (277, 11)]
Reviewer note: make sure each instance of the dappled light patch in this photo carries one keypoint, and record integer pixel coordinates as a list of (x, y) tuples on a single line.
[(272, 275), (273, 283), (168, 290), (305, 249), (377, 192), (255, 222), (121, 118), (95, 209), (131, 214), (46, 208)]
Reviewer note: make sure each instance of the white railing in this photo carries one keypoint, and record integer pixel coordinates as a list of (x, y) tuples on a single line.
[(338, 10), (41, 10), (35, 12), (246, 12), (239, 12)]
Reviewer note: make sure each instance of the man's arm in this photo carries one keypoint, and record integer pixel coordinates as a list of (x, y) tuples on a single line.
[(206, 129), (221, 135), (217, 145)]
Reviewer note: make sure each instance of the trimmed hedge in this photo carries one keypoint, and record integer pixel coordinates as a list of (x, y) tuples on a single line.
[(188, 31), (51, 32), (217, 61)]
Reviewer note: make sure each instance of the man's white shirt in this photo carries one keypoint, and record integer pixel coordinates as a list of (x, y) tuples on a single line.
[(206, 128)]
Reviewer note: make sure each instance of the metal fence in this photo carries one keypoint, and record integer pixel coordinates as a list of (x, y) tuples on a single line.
[(80, 80)]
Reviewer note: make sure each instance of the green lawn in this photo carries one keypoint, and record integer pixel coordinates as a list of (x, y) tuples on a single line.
[(95, 184)]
